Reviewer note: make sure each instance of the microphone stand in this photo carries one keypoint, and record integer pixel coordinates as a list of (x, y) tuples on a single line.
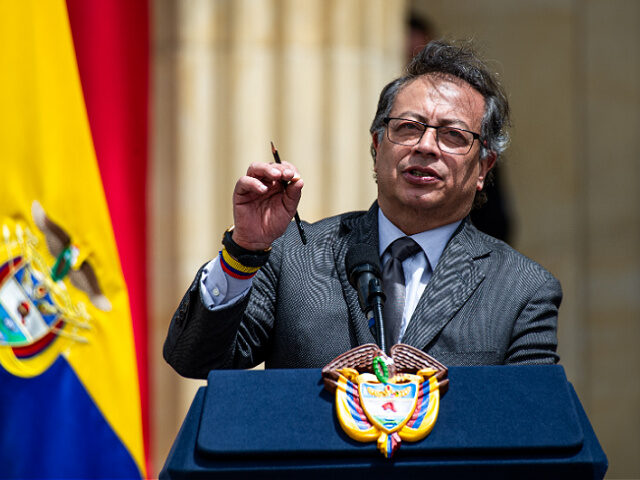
[(376, 299)]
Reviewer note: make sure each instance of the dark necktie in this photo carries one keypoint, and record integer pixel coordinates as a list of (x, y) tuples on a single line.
[(394, 287)]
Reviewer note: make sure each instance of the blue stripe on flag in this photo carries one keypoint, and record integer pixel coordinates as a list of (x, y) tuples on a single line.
[(52, 429)]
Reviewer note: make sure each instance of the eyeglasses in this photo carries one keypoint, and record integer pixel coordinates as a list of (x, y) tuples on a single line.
[(403, 131)]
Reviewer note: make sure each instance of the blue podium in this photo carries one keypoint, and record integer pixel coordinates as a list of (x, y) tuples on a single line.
[(494, 422)]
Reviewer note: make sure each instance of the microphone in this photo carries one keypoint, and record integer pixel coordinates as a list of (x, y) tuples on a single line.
[(363, 269)]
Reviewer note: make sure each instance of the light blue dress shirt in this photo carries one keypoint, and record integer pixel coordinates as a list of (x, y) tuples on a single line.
[(419, 267)]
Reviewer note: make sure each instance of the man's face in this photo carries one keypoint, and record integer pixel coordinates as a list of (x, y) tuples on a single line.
[(421, 187)]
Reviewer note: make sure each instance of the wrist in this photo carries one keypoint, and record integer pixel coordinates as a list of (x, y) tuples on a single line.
[(248, 258), (246, 243)]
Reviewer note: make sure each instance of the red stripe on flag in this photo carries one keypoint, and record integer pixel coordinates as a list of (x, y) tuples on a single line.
[(37, 347), (111, 39)]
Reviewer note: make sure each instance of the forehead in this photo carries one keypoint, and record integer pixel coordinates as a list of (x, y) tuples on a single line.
[(436, 98)]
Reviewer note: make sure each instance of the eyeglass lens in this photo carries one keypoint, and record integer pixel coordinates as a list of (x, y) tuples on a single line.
[(452, 140)]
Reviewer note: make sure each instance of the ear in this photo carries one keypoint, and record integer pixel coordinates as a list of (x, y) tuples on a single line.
[(375, 144), (486, 164), (374, 140)]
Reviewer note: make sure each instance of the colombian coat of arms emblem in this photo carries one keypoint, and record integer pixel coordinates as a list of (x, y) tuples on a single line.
[(386, 399), (38, 319)]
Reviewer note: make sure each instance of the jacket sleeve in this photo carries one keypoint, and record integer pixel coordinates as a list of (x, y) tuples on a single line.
[(237, 336), (534, 336)]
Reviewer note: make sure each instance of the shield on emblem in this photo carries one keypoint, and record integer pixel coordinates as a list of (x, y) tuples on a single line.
[(27, 310), (388, 405)]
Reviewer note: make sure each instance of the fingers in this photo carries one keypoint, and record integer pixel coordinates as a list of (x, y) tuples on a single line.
[(274, 171), (249, 185), (264, 202), (290, 172), (294, 191), (269, 178)]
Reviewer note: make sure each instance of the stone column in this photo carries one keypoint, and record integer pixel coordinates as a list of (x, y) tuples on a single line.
[(229, 77)]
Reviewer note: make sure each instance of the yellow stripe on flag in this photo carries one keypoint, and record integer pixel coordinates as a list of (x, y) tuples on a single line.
[(47, 155)]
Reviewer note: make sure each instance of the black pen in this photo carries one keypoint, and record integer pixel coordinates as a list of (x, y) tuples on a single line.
[(303, 237)]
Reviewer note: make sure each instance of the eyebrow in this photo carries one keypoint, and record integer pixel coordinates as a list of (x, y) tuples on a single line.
[(409, 115)]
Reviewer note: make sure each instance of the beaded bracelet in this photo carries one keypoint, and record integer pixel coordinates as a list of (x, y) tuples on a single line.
[(240, 262), (233, 267)]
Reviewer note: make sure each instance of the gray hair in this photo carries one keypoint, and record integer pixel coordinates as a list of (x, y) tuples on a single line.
[(461, 61)]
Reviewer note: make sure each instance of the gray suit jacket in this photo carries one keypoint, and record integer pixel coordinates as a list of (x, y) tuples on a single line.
[(485, 304)]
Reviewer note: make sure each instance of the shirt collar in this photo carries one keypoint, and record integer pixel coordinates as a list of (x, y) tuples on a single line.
[(432, 241)]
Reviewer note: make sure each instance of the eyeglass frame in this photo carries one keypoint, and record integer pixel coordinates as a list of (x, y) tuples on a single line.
[(386, 120)]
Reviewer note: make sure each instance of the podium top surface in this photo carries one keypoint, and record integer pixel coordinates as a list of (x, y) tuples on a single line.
[(288, 413)]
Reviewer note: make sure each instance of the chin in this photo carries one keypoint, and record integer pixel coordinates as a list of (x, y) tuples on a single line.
[(424, 201)]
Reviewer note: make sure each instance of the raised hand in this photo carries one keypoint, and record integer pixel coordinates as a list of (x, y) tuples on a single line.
[(263, 205)]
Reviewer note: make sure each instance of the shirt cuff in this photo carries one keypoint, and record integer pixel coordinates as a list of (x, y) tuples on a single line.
[(219, 290)]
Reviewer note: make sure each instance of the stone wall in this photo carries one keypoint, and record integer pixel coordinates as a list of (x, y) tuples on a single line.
[(572, 71)]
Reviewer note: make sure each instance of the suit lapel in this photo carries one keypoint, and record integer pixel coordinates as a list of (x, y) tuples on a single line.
[(455, 278), (355, 228)]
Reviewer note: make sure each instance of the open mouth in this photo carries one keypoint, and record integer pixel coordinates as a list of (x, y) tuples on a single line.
[(422, 173), (418, 173)]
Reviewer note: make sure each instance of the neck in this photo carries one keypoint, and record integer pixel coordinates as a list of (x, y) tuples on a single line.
[(412, 221)]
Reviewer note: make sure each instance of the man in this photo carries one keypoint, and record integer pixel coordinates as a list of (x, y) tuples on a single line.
[(467, 298)]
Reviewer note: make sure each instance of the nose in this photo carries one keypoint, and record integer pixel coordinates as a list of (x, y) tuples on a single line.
[(428, 142)]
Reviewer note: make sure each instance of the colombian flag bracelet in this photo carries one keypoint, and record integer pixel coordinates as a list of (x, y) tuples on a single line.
[(233, 267)]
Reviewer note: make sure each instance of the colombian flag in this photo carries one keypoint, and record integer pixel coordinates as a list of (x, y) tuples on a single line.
[(73, 153)]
